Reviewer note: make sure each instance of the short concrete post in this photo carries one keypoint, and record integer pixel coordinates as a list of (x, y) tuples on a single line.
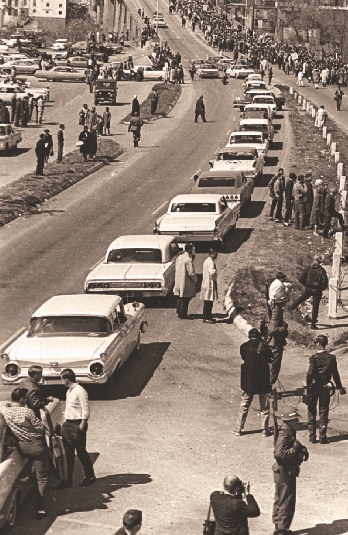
[(328, 139), (333, 148), (342, 182), (308, 107), (304, 103), (324, 132), (333, 287), (339, 170), (291, 91), (344, 199), (336, 266), (299, 99), (339, 242), (337, 157), (314, 112)]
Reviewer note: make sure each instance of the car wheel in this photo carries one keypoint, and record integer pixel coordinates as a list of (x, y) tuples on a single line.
[(137, 77), (6, 149), (12, 513)]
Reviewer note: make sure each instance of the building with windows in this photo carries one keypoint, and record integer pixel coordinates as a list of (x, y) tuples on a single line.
[(39, 14)]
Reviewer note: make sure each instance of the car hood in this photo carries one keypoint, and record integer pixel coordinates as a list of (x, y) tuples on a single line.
[(188, 222), (225, 165), (108, 272), (66, 350)]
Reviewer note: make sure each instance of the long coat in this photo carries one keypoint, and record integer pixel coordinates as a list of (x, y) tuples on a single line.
[(209, 290), (185, 276)]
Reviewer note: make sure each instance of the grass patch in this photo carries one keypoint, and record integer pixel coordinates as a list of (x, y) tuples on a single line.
[(168, 97), (25, 195), (272, 247)]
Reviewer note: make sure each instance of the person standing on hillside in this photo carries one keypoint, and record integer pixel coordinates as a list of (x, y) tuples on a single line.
[(338, 97), (40, 152), (154, 101), (48, 145), (330, 212), (60, 142), (298, 193), (289, 198), (209, 292)]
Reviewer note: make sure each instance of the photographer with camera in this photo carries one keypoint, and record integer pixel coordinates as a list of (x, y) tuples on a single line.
[(322, 369), (289, 454), (233, 506)]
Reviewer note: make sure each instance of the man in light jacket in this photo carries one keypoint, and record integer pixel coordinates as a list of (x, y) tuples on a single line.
[(185, 281), (209, 292)]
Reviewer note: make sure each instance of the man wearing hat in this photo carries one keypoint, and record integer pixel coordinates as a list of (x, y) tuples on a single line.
[(322, 369), (289, 454), (132, 521), (35, 400), (315, 281), (279, 292), (48, 144), (255, 379), (200, 109), (185, 281), (233, 506)]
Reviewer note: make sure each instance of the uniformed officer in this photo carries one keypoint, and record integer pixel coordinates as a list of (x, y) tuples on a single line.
[(289, 454), (322, 369)]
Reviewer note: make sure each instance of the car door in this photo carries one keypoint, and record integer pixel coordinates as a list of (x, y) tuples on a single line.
[(169, 274)]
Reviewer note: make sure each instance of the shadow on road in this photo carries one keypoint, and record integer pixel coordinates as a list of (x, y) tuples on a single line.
[(272, 160), (17, 152), (337, 527), (253, 209), (276, 145), (263, 180), (235, 239)]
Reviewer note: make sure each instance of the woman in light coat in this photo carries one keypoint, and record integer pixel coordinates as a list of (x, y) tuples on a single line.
[(209, 292), (185, 281)]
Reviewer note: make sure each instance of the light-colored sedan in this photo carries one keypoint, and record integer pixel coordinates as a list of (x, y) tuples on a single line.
[(62, 74), (92, 334), (61, 44), (263, 111), (239, 158), (149, 71), (9, 138), (266, 99), (233, 185), (204, 217), (250, 138), (78, 62), (159, 23), (259, 125), (22, 66), (139, 265), (239, 71), (208, 70)]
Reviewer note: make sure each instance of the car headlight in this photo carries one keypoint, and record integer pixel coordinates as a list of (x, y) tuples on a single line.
[(11, 370), (96, 368), (5, 356), (150, 285)]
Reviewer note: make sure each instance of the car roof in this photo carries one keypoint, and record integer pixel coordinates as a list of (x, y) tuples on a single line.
[(78, 305), (254, 121), (141, 240), (246, 133), (240, 148), (221, 174), (205, 197), (255, 105)]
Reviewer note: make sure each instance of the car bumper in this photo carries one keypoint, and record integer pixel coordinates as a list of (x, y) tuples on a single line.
[(206, 236), (50, 378), (151, 292)]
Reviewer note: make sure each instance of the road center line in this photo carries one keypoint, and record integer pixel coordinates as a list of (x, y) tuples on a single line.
[(159, 208)]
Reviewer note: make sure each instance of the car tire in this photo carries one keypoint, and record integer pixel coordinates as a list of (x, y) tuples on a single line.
[(6, 149), (137, 77), (12, 513)]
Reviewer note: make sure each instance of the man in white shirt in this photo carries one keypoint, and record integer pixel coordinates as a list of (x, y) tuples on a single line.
[(279, 293), (74, 430)]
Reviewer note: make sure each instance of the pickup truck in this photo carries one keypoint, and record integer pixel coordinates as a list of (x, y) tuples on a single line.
[(240, 103)]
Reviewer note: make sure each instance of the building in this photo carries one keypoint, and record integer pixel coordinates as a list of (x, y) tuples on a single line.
[(36, 14)]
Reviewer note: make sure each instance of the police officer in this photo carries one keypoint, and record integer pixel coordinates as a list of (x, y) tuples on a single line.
[(255, 379), (322, 369), (289, 453)]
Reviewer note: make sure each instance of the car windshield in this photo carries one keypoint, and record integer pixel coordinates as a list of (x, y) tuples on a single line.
[(235, 156), (69, 326), (265, 100), (2, 131), (245, 139), (209, 66), (216, 182), (256, 113), (194, 207), (139, 255), (257, 127)]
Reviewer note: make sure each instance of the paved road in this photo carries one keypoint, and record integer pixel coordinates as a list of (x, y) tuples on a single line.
[(160, 434)]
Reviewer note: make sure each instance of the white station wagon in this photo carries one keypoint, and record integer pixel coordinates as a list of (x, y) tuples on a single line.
[(251, 138), (138, 265), (92, 334), (203, 217)]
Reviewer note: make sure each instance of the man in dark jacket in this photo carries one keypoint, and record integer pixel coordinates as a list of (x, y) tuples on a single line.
[(308, 199), (330, 212), (231, 511), (132, 521), (4, 113), (200, 109), (289, 198), (322, 369), (278, 190), (35, 400), (289, 455), (135, 106), (48, 144), (154, 101), (255, 379), (315, 281), (60, 142), (40, 152)]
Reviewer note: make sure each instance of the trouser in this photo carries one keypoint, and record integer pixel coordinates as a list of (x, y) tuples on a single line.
[(40, 164), (299, 215), (60, 152), (182, 306), (327, 222), (273, 206), (307, 213), (321, 394), (153, 107), (316, 297), (277, 352), (338, 103), (278, 214), (284, 501), (192, 74), (207, 310), (288, 212), (37, 451), (277, 314), (244, 409), (75, 440), (202, 114)]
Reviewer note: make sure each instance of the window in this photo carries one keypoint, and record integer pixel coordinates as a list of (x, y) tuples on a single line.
[(47, 4), (60, 12), (34, 3), (60, 6), (16, 4), (24, 2)]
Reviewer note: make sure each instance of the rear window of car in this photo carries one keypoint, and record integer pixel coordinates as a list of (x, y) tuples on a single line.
[(139, 255), (246, 139), (69, 326), (216, 182), (194, 207), (258, 127), (227, 156), (3, 131)]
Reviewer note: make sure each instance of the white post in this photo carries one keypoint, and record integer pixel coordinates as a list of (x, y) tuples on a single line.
[(333, 148), (340, 170), (324, 132), (328, 140), (344, 199), (308, 108), (291, 91), (339, 243), (314, 112), (299, 99), (336, 266), (342, 182), (337, 157), (333, 285), (304, 103)]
